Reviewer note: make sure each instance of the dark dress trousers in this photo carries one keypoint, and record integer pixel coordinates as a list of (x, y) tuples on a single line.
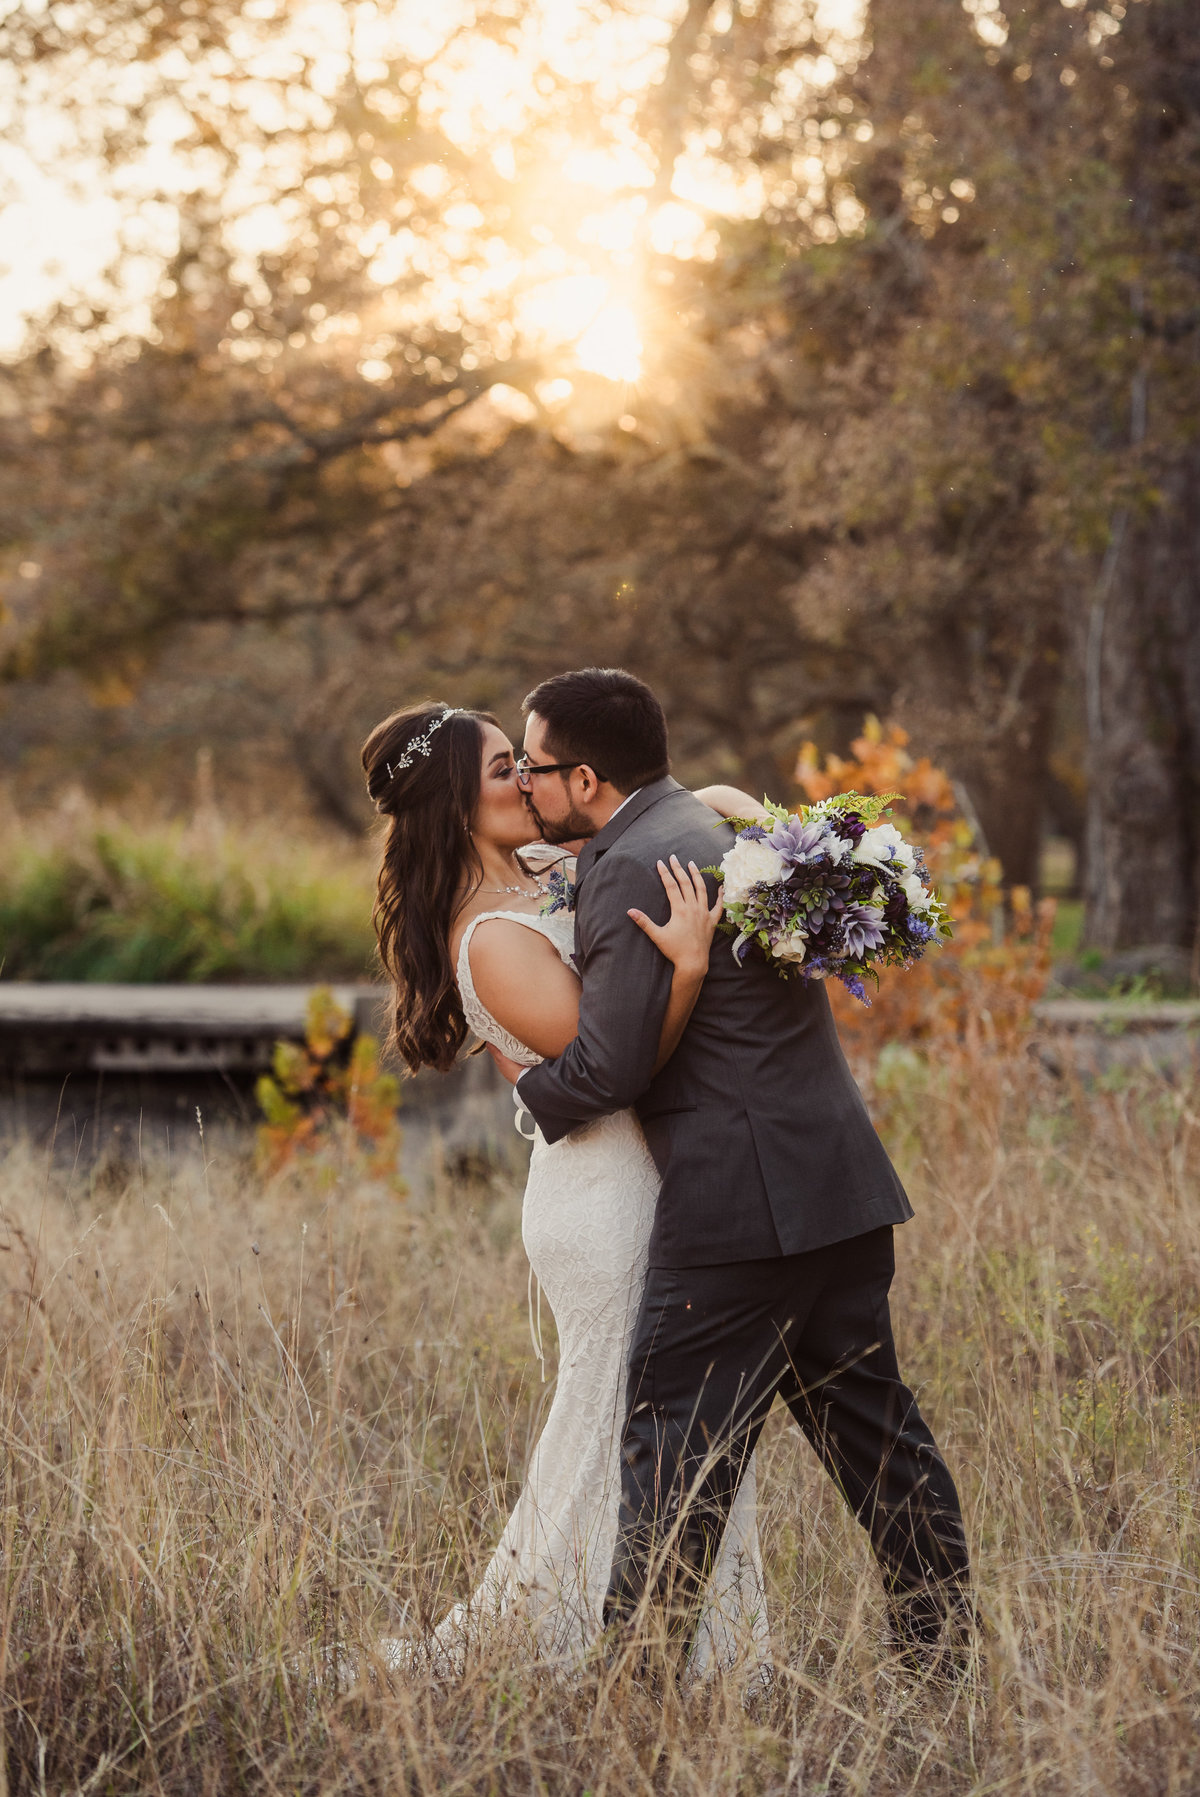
[(771, 1254)]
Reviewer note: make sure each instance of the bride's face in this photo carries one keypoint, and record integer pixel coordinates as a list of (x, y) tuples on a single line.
[(501, 816)]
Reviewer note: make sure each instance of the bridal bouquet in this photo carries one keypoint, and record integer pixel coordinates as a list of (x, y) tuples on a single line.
[(830, 889)]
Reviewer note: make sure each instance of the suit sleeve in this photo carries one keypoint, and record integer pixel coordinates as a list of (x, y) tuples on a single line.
[(626, 985)]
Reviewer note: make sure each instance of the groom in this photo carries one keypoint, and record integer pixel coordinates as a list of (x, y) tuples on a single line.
[(771, 1254)]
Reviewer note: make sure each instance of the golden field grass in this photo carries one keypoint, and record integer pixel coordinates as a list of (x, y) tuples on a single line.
[(249, 1424)]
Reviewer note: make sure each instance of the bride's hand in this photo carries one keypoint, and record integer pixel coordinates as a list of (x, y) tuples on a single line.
[(686, 937)]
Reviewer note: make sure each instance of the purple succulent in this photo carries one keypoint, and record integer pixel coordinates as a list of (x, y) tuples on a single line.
[(798, 841), (819, 903), (863, 927)]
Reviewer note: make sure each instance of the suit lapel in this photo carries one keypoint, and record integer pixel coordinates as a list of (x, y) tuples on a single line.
[(616, 826)]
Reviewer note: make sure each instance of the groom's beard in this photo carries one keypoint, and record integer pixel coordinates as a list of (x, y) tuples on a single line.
[(571, 828)]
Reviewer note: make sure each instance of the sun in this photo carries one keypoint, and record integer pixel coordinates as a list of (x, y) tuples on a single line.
[(586, 318), (612, 344)]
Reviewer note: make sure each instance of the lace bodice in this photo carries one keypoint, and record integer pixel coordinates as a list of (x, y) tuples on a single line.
[(558, 929)]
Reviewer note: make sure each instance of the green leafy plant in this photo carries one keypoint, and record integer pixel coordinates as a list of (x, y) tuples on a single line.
[(94, 896), (870, 806)]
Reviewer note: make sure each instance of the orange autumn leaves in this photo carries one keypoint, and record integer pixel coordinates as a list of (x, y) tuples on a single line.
[(980, 986), (328, 1097)]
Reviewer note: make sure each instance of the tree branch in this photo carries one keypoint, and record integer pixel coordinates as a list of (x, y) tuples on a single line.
[(666, 122)]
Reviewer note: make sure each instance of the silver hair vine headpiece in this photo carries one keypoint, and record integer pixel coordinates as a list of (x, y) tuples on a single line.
[(420, 744)]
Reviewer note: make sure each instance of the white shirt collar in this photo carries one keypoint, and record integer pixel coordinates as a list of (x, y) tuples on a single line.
[(622, 805)]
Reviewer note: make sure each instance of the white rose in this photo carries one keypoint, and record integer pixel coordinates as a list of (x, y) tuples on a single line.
[(884, 847), (791, 949), (748, 864), (915, 893)]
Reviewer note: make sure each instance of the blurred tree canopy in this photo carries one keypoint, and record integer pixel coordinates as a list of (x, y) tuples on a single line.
[(912, 427)]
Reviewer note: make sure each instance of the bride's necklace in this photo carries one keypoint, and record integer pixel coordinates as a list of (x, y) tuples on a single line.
[(523, 890)]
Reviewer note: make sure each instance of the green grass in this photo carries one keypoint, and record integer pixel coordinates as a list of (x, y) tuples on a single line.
[(94, 897), (1068, 929)]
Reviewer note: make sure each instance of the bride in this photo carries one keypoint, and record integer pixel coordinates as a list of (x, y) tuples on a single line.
[(465, 935)]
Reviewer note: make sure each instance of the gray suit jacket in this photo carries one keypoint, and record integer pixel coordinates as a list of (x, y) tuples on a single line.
[(758, 1130)]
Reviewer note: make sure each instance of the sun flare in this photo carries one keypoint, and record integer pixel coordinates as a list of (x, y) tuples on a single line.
[(612, 344), (582, 316)]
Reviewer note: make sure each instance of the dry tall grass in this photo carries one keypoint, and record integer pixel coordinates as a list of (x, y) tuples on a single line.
[(244, 1426)]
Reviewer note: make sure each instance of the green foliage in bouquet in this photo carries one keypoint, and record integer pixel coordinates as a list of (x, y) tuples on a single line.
[(869, 806)]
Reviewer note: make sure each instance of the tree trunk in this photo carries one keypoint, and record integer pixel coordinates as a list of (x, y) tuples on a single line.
[(1008, 787), (1142, 864), (984, 706)]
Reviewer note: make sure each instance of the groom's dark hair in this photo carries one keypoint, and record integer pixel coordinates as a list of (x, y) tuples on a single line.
[(606, 718)]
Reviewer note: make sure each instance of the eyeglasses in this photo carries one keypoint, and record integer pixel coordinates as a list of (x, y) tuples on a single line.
[(526, 769)]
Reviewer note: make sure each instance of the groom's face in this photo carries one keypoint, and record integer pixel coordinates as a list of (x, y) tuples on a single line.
[(557, 802)]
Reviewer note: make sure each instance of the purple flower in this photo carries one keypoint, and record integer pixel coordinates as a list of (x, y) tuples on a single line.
[(803, 884), (895, 908), (820, 901), (562, 893), (854, 986), (863, 927), (797, 841)]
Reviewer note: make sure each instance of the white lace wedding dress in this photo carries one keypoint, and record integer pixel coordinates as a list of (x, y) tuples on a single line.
[(588, 1209)]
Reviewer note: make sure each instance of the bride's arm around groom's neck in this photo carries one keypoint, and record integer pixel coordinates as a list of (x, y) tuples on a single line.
[(731, 801)]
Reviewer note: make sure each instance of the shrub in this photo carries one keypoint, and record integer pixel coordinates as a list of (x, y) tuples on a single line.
[(981, 985), (328, 1096), (87, 895)]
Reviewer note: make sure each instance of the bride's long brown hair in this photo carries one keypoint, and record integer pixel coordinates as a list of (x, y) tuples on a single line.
[(427, 849)]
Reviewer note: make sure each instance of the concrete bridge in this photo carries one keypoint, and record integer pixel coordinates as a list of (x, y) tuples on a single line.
[(89, 1070), (85, 1068)]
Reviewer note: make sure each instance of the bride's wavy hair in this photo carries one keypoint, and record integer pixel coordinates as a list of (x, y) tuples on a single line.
[(427, 850)]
